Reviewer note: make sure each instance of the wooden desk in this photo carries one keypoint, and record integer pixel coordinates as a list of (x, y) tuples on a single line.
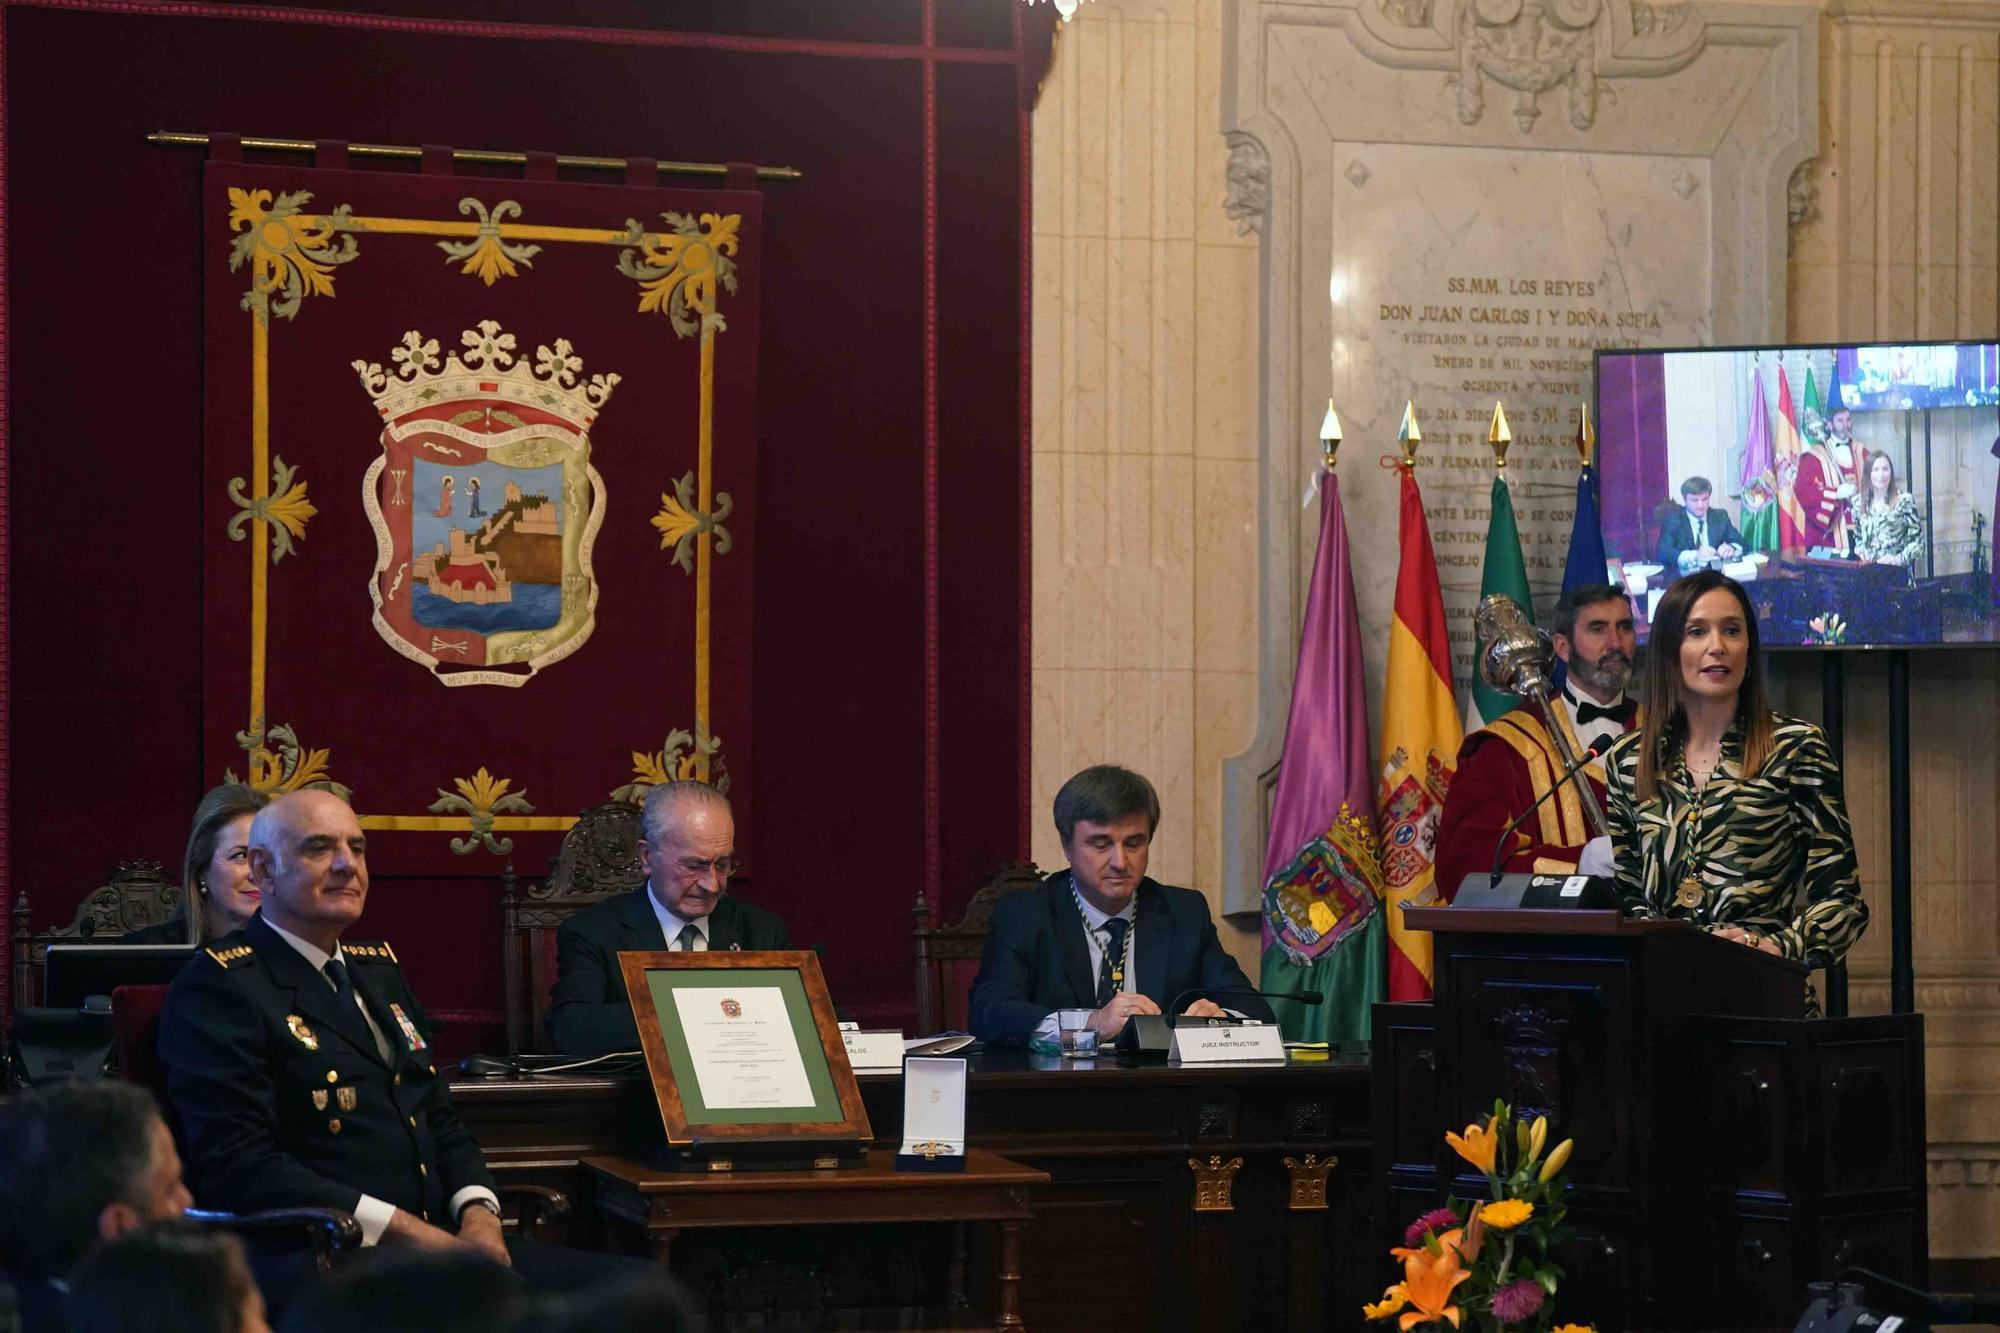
[(1208, 1197), (655, 1206)]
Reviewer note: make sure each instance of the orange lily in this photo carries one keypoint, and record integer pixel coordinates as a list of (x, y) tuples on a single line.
[(1428, 1282), (1478, 1145)]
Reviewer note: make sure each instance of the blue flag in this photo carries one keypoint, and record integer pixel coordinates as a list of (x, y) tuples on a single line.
[(1586, 540)]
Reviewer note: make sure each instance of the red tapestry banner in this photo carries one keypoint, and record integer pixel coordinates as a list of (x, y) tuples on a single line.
[(479, 490)]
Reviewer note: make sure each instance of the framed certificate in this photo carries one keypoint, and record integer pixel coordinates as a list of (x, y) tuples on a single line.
[(743, 1048)]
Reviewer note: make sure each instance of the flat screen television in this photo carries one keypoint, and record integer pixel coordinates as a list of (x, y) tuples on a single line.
[(1852, 489)]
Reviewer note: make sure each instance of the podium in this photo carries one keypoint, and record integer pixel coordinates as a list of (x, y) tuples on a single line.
[(1728, 1150)]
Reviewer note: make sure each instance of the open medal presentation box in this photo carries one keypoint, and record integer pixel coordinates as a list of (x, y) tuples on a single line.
[(933, 1114), (746, 1060)]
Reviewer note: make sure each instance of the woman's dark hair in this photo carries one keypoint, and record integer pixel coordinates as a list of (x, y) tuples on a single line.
[(1661, 694), (172, 1277), (218, 809)]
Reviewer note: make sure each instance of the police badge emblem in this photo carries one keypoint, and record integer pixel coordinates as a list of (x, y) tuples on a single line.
[(485, 505), (732, 1009), (307, 1038), (319, 1099), (346, 1096)]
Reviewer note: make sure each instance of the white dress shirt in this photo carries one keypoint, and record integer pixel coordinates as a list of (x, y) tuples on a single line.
[(671, 925), (1603, 729), (372, 1213), (1096, 940)]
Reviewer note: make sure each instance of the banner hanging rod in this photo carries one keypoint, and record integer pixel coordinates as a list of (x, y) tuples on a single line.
[(407, 152)]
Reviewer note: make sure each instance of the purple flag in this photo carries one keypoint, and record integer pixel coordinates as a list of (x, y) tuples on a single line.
[(1324, 922), (1757, 458), (1326, 757)]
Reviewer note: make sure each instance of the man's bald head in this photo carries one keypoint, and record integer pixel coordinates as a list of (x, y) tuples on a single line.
[(309, 856)]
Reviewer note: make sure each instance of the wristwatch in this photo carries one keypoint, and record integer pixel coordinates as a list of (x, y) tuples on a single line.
[(487, 1204)]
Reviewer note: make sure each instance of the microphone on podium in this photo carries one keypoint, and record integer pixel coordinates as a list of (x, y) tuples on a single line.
[(1596, 749), (1540, 891)]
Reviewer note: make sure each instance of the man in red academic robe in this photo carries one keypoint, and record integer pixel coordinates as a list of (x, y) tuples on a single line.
[(1506, 766), (1830, 470)]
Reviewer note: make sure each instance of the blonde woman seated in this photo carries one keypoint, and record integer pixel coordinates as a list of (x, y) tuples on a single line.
[(215, 871), (1887, 529)]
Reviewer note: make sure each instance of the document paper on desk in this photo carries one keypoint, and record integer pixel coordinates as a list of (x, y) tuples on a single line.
[(745, 1053)]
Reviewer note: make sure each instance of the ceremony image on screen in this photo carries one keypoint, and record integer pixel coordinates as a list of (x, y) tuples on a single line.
[(1852, 489)]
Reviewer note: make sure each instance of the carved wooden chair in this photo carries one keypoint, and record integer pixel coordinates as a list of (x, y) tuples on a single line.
[(598, 859), (948, 956), (139, 894)]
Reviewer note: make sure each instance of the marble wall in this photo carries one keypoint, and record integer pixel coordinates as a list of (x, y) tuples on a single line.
[(1149, 521), (1145, 425), (1897, 239)]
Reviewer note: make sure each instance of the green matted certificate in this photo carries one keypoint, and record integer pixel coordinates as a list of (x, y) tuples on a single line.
[(743, 1046)]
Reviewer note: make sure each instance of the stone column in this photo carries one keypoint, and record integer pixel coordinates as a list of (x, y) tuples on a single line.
[(1895, 238)]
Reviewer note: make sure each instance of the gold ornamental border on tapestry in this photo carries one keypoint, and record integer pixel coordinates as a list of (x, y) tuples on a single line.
[(293, 254), (399, 152)]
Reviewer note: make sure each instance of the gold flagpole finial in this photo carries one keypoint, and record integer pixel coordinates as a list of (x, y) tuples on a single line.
[(1499, 435), (1586, 435), (1329, 435), (1408, 435)]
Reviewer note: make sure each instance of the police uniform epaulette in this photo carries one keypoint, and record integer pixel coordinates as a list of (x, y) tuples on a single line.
[(369, 951), (236, 955)]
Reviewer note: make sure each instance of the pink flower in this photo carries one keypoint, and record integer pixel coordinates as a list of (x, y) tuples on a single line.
[(1517, 1302), (1438, 1219)]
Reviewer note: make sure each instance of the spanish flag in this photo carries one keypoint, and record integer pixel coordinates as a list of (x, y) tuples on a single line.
[(1420, 739)]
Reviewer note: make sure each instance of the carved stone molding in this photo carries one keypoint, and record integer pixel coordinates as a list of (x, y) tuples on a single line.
[(1309, 1182), (1215, 1183), (1952, 993), (1800, 195), (1536, 46), (1971, 1166), (1249, 180)]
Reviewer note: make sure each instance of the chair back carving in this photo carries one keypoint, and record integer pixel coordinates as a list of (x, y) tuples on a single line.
[(948, 956), (139, 894), (598, 859)]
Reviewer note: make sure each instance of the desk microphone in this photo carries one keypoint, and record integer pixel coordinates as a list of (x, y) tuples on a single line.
[(1597, 748), (1173, 1011), (1151, 1035)]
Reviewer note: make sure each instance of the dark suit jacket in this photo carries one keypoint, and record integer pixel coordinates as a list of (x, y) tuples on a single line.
[(1037, 960), (588, 1013), (259, 1051), (1676, 536)]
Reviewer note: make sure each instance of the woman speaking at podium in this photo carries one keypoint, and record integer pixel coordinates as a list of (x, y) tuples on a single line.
[(1721, 812)]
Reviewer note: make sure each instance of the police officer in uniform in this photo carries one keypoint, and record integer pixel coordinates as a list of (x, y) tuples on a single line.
[(300, 1067)]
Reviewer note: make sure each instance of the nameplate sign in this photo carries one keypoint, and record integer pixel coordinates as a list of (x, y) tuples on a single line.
[(1228, 1042), (873, 1052)]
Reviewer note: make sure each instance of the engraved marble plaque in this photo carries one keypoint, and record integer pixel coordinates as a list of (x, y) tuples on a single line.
[(1461, 281)]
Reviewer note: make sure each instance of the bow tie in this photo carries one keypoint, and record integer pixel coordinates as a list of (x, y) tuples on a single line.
[(1621, 713)]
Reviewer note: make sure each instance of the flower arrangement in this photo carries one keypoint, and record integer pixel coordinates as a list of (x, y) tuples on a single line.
[(1487, 1262), (1827, 628)]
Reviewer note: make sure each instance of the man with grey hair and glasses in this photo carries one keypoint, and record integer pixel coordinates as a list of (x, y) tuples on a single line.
[(688, 851)]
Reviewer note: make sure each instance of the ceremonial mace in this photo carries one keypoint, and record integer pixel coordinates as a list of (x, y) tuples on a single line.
[(1520, 659)]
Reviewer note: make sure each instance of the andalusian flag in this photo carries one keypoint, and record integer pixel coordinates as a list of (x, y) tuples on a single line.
[(1420, 739), (1323, 912), (1506, 573), (1787, 446)]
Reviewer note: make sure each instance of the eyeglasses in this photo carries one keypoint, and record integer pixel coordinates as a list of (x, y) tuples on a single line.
[(723, 866)]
